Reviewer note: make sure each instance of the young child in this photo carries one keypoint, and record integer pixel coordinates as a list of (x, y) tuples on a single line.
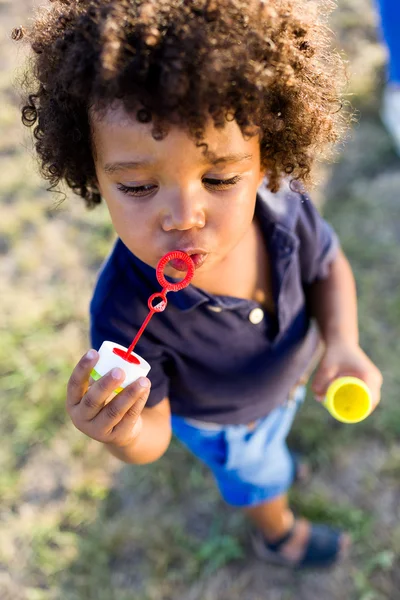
[(187, 117)]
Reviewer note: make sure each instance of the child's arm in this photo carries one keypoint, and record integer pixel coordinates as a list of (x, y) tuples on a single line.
[(333, 303), (131, 432)]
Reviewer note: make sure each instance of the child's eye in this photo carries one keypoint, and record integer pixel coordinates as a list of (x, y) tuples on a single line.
[(221, 183), (145, 190), (139, 190)]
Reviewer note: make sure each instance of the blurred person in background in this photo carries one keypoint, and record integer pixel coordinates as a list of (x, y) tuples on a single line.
[(390, 27)]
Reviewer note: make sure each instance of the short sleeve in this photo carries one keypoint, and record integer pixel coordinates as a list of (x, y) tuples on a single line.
[(103, 327), (319, 243)]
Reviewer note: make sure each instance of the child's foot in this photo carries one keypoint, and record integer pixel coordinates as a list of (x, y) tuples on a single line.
[(305, 545), (390, 113)]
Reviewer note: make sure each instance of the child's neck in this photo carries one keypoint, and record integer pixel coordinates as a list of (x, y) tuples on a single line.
[(244, 273)]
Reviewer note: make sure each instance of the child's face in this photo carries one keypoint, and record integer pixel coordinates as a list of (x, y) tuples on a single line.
[(166, 195)]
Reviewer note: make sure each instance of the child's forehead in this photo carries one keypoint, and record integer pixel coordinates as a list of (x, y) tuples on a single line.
[(112, 115), (115, 127)]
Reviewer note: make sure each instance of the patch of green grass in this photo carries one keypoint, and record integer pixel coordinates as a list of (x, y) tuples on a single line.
[(218, 551), (74, 551), (52, 551), (33, 387), (103, 545), (118, 542), (9, 483), (166, 475), (391, 468), (380, 560), (320, 509), (91, 490), (35, 593)]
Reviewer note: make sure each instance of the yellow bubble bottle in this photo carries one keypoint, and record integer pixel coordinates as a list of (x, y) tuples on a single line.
[(348, 399)]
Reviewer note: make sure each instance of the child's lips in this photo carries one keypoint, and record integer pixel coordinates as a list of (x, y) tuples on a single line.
[(198, 259)]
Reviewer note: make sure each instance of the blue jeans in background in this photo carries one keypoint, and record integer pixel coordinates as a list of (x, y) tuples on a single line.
[(390, 24)]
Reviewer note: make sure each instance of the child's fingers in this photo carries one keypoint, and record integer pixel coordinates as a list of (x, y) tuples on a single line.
[(322, 379), (78, 382), (96, 396), (127, 405), (126, 431)]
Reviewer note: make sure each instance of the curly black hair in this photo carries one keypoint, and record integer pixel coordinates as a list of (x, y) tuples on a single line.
[(266, 64)]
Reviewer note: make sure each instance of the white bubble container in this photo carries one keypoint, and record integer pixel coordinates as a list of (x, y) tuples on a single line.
[(109, 360)]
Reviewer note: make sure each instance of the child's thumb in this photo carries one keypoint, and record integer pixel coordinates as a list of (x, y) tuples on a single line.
[(321, 380)]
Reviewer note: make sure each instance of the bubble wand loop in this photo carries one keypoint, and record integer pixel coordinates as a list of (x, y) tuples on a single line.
[(166, 287), (113, 355)]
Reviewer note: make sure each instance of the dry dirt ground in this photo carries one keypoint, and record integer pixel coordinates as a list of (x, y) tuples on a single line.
[(75, 523)]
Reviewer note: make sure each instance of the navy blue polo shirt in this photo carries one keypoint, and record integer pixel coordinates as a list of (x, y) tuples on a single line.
[(219, 358)]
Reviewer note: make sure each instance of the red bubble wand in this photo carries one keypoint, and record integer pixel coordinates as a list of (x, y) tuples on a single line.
[(160, 306)]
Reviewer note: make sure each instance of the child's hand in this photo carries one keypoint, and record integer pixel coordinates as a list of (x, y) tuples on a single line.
[(118, 422), (341, 359)]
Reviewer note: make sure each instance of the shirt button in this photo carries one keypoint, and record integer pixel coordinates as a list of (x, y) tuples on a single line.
[(214, 308), (256, 316)]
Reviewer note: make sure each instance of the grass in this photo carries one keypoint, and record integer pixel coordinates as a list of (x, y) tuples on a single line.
[(78, 524), (334, 512)]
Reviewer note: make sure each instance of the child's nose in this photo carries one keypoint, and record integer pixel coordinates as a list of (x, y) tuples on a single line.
[(184, 211)]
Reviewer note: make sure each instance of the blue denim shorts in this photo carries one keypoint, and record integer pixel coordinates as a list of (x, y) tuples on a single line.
[(250, 464)]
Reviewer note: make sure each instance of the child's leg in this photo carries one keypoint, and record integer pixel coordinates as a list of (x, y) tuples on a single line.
[(274, 519), (254, 469)]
